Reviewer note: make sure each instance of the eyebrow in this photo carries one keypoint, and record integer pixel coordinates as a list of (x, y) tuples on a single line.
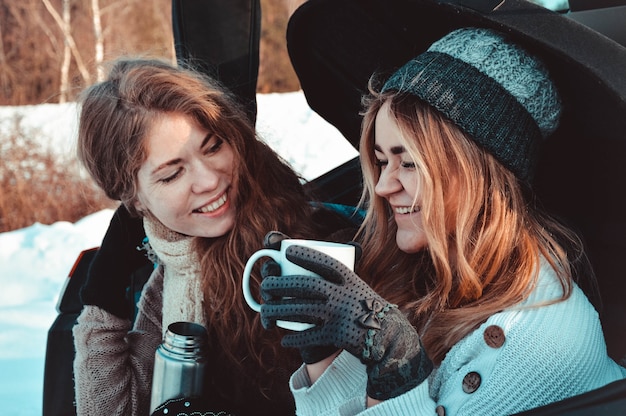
[(164, 165), (173, 162), (395, 150)]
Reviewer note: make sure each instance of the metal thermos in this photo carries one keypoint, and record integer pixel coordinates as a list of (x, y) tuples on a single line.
[(179, 363)]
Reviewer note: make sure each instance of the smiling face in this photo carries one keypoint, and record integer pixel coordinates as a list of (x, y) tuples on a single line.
[(399, 182), (186, 179)]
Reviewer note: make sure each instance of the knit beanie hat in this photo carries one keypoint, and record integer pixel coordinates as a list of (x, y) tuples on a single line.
[(491, 88)]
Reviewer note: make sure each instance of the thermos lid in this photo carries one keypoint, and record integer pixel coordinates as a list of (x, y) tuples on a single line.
[(187, 339)]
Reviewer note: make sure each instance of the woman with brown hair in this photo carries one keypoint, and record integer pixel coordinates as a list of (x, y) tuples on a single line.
[(175, 149)]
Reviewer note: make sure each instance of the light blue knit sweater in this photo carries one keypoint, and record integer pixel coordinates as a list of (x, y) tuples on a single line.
[(549, 353)]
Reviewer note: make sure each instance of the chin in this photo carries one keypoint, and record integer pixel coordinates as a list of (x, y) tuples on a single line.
[(410, 243), (220, 230), (213, 229)]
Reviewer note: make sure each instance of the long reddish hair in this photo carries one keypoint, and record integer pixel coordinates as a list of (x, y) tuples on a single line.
[(116, 116), (483, 250)]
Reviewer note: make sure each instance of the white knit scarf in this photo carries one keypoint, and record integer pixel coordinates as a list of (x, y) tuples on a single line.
[(182, 292)]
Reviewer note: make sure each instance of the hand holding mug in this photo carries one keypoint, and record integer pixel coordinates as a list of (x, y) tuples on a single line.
[(351, 316), (345, 253)]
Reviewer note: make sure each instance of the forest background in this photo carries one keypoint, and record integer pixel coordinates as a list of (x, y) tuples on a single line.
[(50, 50)]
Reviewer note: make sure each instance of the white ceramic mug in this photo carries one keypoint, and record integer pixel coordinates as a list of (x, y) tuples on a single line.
[(345, 253)]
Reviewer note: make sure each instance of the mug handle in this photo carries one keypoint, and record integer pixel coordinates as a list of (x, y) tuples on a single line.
[(256, 306), (247, 294)]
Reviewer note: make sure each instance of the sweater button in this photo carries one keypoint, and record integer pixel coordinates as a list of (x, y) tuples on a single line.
[(494, 336), (471, 382), (440, 411)]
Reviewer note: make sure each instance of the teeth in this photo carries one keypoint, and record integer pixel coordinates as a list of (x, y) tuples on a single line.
[(213, 206), (406, 210)]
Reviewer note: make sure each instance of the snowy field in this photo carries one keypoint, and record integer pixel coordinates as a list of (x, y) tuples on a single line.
[(34, 261)]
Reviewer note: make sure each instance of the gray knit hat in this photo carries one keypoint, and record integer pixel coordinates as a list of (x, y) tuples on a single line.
[(491, 88)]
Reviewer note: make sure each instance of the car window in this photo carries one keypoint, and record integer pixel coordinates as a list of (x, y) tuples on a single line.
[(553, 4)]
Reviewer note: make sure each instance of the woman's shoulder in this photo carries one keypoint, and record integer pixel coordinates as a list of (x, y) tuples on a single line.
[(152, 292), (536, 343), (547, 314), (542, 324)]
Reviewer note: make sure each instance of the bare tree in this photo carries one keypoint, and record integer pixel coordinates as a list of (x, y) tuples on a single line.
[(99, 39), (67, 53), (5, 74), (70, 41), (36, 35)]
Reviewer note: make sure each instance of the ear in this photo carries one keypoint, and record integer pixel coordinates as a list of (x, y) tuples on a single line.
[(138, 207)]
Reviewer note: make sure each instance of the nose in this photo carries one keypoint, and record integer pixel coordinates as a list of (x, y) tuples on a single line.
[(388, 183), (204, 178)]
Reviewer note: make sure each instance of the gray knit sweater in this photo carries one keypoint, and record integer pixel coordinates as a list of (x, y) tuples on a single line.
[(114, 362)]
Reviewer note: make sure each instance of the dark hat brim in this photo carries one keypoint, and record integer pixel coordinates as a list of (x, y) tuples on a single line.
[(336, 46)]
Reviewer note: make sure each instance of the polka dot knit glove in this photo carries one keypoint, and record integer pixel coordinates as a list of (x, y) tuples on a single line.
[(312, 354), (349, 315)]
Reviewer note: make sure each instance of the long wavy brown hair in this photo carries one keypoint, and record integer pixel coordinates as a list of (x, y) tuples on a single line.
[(115, 118), (484, 244)]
